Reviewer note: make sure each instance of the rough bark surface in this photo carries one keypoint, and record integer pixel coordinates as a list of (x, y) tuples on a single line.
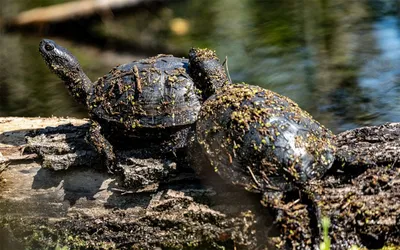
[(375, 145), (53, 190)]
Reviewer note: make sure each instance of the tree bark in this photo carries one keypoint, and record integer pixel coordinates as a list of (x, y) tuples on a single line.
[(375, 145), (57, 192)]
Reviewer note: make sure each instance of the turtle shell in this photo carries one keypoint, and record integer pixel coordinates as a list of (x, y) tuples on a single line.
[(155, 92), (260, 139)]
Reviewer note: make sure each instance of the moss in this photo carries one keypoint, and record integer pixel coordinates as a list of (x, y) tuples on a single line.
[(170, 228), (199, 55), (40, 234)]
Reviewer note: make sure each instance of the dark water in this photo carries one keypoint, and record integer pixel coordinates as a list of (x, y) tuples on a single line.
[(340, 60)]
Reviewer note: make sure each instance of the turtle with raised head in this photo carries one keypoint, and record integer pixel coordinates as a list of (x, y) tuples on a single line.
[(149, 101)]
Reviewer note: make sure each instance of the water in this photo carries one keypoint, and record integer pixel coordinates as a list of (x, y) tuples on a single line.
[(339, 60)]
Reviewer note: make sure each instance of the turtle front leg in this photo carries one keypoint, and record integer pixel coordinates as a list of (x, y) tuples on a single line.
[(102, 146), (313, 200)]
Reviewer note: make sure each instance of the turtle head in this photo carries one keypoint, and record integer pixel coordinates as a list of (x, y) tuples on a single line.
[(207, 72), (66, 66)]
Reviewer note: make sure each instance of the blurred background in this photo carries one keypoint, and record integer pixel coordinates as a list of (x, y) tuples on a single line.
[(338, 59)]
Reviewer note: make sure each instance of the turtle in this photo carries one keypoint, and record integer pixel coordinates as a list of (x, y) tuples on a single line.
[(152, 101), (264, 142), (252, 137), (244, 127)]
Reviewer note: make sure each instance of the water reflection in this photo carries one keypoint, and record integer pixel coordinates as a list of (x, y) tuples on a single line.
[(338, 59), (373, 96), (380, 77)]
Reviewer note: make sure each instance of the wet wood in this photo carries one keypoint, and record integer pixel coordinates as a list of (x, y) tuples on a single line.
[(370, 145), (71, 10), (65, 191), (55, 180)]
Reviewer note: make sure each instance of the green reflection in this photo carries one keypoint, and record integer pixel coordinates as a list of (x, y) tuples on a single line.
[(27, 88)]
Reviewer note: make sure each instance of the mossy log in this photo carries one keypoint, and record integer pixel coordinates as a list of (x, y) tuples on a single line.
[(54, 191)]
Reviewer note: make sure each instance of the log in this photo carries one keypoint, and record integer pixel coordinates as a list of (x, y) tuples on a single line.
[(375, 145), (54, 191), (70, 10)]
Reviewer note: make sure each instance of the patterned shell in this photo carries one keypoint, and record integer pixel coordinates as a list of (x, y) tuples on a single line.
[(155, 92), (260, 139)]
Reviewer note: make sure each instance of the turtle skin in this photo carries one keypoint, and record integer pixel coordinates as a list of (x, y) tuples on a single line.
[(264, 142)]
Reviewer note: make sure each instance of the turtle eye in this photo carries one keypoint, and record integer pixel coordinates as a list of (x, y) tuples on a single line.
[(49, 47)]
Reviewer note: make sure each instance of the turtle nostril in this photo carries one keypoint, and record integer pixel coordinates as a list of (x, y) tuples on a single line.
[(49, 47)]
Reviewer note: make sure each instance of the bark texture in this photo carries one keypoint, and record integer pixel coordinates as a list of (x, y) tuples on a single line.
[(54, 190), (375, 145)]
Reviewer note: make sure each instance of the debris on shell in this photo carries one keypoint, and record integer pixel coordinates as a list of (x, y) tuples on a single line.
[(246, 127), (151, 93)]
